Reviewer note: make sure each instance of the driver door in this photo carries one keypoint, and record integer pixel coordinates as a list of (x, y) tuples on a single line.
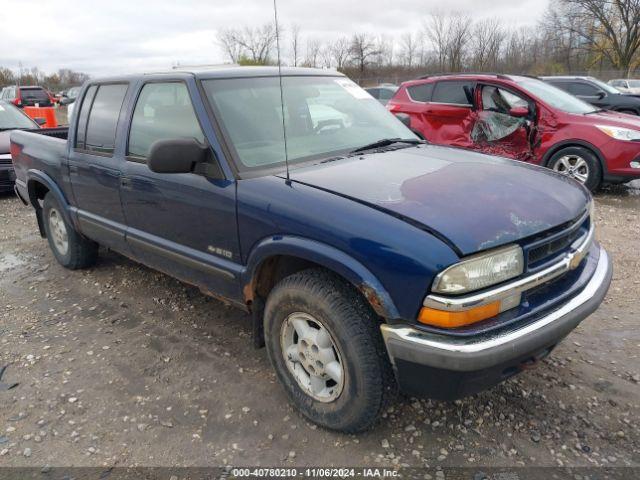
[(504, 123)]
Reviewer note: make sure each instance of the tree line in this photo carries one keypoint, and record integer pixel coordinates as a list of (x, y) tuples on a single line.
[(63, 79), (574, 36)]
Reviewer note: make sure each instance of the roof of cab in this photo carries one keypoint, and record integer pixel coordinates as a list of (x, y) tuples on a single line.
[(224, 71)]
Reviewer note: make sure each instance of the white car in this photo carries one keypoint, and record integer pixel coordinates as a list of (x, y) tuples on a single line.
[(626, 85)]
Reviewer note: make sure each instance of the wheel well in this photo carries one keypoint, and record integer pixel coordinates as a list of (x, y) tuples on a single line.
[(274, 269), (37, 192)]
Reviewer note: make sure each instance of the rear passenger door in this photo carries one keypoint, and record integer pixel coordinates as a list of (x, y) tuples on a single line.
[(95, 164), (448, 116), (185, 223)]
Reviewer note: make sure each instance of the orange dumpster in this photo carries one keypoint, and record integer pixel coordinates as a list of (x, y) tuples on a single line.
[(46, 113)]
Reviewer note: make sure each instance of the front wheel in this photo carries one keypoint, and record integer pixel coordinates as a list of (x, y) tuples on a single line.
[(578, 163), (324, 343)]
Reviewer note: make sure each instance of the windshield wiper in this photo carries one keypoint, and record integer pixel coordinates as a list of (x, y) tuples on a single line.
[(385, 142)]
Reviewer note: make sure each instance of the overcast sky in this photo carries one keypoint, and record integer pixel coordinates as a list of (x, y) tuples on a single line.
[(103, 37)]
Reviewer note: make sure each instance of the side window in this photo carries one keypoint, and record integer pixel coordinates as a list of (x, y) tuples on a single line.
[(583, 89), (451, 92), (421, 93), (81, 129), (499, 100), (103, 118), (163, 110)]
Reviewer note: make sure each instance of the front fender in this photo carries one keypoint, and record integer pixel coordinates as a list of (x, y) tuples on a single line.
[(327, 256)]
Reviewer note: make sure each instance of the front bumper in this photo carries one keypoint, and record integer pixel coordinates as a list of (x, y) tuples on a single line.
[(447, 367)]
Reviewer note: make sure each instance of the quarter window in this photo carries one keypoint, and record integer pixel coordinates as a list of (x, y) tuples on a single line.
[(451, 92), (81, 130), (103, 118), (421, 93), (163, 111)]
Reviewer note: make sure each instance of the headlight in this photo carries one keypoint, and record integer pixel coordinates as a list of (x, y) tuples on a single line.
[(480, 271), (620, 133)]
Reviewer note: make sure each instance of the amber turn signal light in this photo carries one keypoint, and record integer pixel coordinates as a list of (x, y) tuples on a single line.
[(453, 319)]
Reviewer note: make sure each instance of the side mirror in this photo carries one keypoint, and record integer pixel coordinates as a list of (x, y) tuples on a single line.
[(404, 118), (40, 121), (519, 112), (180, 155), (601, 95)]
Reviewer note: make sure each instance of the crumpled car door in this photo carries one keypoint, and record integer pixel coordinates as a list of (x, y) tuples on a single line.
[(496, 132)]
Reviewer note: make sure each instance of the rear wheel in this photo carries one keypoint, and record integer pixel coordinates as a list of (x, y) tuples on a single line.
[(324, 343), (70, 248), (578, 163)]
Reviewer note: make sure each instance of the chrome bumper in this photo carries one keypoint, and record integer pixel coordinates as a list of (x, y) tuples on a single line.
[(476, 353)]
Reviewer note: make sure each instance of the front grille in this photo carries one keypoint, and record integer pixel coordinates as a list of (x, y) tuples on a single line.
[(553, 247), (547, 247)]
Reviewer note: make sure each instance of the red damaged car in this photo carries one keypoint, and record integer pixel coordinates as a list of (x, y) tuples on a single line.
[(525, 119)]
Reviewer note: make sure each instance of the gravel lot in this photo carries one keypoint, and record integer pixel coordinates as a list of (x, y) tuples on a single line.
[(123, 366)]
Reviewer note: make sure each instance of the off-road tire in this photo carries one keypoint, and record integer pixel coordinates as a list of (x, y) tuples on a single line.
[(81, 252), (369, 384)]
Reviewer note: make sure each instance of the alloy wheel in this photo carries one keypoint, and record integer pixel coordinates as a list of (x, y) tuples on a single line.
[(312, 357)]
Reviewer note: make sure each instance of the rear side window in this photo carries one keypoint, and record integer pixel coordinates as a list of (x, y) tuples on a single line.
[(83, 116), (451, 92), (421, 93), (163, 111), (103, 118)]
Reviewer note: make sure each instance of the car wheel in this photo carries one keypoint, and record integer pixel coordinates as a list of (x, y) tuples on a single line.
[(71, 249), (324, 342), (578, 163)]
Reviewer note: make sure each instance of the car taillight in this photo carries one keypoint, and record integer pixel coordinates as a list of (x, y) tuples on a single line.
[(18, 100), (15, 150)]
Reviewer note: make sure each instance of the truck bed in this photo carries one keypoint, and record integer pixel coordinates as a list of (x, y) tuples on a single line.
[(42, 149)]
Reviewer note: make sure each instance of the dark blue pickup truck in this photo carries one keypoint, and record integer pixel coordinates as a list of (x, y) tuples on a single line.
[(377, 262)]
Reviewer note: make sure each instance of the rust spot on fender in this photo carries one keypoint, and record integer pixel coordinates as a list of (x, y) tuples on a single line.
[(372, 297)]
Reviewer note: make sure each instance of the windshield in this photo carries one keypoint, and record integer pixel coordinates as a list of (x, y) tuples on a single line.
[(555, 97), (11, 117), (324, 117), (604, 86)]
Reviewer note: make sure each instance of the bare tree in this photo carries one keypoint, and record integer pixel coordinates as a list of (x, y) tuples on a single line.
[(459, 34), (437, 31), (486, 43), (253, 43), (609, 27), (312, 58), (295, 44), (340, 52), (363, 49), (409, 43)]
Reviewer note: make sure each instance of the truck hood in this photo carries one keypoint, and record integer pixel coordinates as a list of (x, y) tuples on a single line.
[(473, 201)]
